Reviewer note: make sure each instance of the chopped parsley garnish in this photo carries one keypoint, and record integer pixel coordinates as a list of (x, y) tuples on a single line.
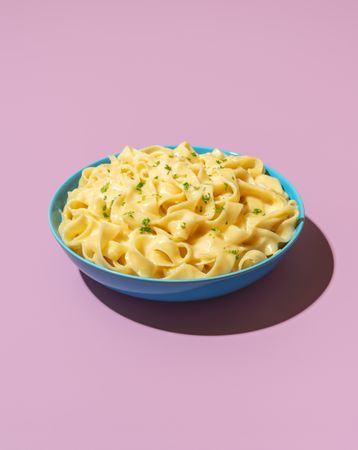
[(156, 164), (235, 252), (130, 214), (215, 229), (186, 186), (205, 198), (146, 228), (146, 221), (104, 207), (105, 197), (175, 176), (108, 170), (143, 230), (257, 211), (139, 186), (110, 206), (218, 162), (156, 177), (226, 186), (105, 187), (168, 168), (218, 209), (106, 215), (183, 225), (193, 154)]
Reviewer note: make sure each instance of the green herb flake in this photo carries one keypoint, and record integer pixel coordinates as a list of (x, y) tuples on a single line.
[(106, 215), (194, 154), (218, 162), (105, 187), (156, 178), (235, 253), (146, 221), (226, 186), (219, 209), (214, 229), (146, 228), (257, 211), (143, 230), (168, 168), (186, 186), (156, 164), (205, 198), (129, 214), (139, 186), (183, 225), (175, 176)]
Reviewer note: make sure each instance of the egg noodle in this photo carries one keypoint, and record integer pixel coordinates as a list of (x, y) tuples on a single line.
[(175, 214)]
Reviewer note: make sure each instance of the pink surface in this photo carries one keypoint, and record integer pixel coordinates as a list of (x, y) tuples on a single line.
[(277, 80)]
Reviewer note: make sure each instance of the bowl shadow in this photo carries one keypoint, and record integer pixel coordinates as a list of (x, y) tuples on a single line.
[(297, 282)]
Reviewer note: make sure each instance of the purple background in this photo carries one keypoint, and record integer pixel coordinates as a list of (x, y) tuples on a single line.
[(275, 79)]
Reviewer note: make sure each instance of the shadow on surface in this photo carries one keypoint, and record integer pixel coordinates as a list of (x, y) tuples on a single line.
[(295, 284)]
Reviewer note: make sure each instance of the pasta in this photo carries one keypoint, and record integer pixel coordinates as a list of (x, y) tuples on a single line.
[(175, 214)]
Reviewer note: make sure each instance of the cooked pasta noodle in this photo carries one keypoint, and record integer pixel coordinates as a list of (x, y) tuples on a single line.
[(175, 214)]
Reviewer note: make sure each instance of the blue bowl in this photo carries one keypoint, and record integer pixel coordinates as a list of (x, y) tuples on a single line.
[(171, 290)]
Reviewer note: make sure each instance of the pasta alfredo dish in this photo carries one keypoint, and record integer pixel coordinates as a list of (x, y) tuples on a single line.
[(175, 214)]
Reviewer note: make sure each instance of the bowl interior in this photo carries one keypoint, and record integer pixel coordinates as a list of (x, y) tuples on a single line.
[(60, 197)]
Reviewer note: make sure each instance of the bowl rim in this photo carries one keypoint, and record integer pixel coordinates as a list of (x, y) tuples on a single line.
[(296, 196)]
